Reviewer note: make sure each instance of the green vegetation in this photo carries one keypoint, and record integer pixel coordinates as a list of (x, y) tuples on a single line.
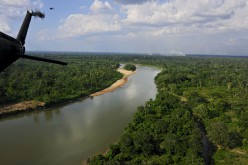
[(162, 132), (31, 80), (130, 67), (199, 116)]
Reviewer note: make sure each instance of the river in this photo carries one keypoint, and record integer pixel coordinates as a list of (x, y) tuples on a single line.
[(69, 134)]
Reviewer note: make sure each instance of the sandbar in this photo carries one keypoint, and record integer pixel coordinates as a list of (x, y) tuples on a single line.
[(117, 84), (20, 107), (33, 105)]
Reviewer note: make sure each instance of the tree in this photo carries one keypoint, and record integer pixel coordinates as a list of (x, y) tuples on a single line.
[(202, 111), (243, 121), (218, 133), (235, 140), (169, 143), (144, 143), (130, 67), (194, 99)]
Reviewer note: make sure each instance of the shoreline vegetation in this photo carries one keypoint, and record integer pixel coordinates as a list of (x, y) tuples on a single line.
[(33, 105), (199, 115)]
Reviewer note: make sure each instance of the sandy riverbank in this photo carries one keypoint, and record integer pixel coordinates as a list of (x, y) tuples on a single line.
[(21, 107), (34, 105), (117, 84)]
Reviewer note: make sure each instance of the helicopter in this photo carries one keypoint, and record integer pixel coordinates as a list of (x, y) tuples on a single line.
[(11, 49)]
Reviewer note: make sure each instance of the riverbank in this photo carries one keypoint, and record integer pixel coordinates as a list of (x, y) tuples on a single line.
[(117, 84), (77, 130), (33, 105), (24, 106)]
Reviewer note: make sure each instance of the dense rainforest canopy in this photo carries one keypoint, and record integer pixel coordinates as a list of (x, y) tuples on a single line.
[(199, 116), (130, 67), (50, 83)]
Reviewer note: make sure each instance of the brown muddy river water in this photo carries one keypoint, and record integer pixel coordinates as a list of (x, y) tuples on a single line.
[(70, 134)]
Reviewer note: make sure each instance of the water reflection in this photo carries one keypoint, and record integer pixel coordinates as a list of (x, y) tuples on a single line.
[(72, 133), (36, 118), (47, 114)]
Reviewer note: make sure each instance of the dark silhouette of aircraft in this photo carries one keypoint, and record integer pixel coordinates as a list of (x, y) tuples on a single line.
[(11, 49), (51, 8)]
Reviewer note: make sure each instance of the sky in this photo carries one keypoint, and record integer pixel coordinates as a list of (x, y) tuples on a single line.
[(132, 26)]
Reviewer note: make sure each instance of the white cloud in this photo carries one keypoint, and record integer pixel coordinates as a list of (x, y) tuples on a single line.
[(16, 8), (99, 6), (205, 26), (132, 1), (13, 10), (80, 24), (13, 3), (4, 27), (158, 18), (201, 14), (99, 20)]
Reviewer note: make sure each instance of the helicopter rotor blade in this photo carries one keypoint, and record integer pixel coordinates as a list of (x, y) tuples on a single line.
[(42, 59)]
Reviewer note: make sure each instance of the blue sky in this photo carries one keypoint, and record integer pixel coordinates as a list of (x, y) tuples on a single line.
[(138, 26)]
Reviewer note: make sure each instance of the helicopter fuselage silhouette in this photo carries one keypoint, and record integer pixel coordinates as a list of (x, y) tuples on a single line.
[(11, 49)]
